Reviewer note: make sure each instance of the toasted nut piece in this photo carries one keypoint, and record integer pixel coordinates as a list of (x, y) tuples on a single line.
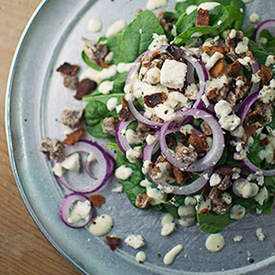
[(142, 201), (217, 69)]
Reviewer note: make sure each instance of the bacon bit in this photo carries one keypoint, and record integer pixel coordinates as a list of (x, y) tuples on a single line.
[(250, 129), (84, 87), (73, 138), (217, 70), (68, 69), (265, 74), (213, 49), (142, 201), (154, 99), (225, 171), (103, 64), (264, 141), (234, 69), (203, 18), (113, 242), (97, 200), (212, 94), (204, 210), (198, 142)]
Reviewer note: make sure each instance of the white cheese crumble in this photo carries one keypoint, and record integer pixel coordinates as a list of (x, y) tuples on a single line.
[(205, 100), (117, 189), (230, 123), (208, 5), (213, 60), (133, 154), (166, 219), (237, 238), (254, 17), (190, 201), (132, 137), (123, 172), (186, 221), (156, 195), (152, 76), (222, 108), (116, 27), (267, 94), (71, 163), (270, 60), (232, 34), (155, 4), (190, 9), (146, 166), (237, 212), (186, 129), (150, 139), (262, 196), (158, 40), (167, 229), (109, 57), (91, 157), (164, 112), (124, 67), (176, 99), (141, 257), (219, 22), (260, 235), (186, 210), (215, 179), (170, 256), (242, 46), (246, 189), (192, 91), (135, 241), (173, 74), (58, 170), (245, 61), (145, 183), (105, 87), (80, 211), (94, 25), (215, 242), (111, 103), (101, 225), (256, 78)]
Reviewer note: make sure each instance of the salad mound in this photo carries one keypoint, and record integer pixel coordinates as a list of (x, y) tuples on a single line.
[(186, 99)]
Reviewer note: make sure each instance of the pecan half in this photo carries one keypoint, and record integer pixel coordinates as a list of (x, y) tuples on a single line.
[(203, 18), (85, 87), (213, 49), (206, 129), (185, 154), (234, 69), (198, 142), (68, 69), (109, 125), (154, 99), (142, 201), (73, 138), (217, 69), (97, 199), (113, 242), (71, 118)]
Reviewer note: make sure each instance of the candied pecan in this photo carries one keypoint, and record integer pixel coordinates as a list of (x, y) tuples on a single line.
[(224, 171), (73, 138), (225, 184), (198, 142), (213, 49), (179, 175), (217, 203), (206, 129), (175, 52), (185, 154), (57, 151), (154, 99), (46, 145), (71, 118), (124, 114), (68, 69), (250, 129), (255, 116), (203, 18), (97, 200), (142, 201), (265, 141), (70, 82), (234, 69), (85, 87), (217, 69), (265, 74), (212, 94), (109, 125), (112, 242)]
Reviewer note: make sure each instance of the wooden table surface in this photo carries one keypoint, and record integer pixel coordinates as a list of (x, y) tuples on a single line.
[(23, 248)]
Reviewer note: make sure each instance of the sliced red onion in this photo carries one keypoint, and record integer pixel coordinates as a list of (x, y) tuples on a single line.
[(212, 156), (265, 25), (202, 75), (65, 208), (121, 137), (190, 74), (246, 163), (190, 189), (106, 164)]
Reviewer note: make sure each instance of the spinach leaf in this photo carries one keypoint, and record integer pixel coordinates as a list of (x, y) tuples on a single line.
[(138, 35), (171, 209), (269, 182), (119, 83), (270, 45), (258, 51), (249, 32), (102, 98), (114, 44), (89, 63), (266, 208)]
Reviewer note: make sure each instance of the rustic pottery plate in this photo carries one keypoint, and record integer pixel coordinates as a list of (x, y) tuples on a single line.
[(35, 97)]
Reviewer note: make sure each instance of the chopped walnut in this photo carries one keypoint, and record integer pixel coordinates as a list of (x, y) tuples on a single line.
[(198, 142), (206, 129), (185, 154), (142, 201), (224, 171), (213, 49), (234, 69), (180, 176), (219, 206), (53, 148), (203, 18), (109, 125), (112, 242), (217, 69), (85, 87), (225, 184), (154, 99), (70, 82), (68, 69), (72, 118), (265, 74), (73, 138), (124, 113)]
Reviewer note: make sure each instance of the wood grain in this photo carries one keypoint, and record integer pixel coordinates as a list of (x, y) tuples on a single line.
[(23, 248)]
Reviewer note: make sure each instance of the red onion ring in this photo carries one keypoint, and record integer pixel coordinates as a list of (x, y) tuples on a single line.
[(265, 25), (105, 160), (64, 210), (201, 72), (212, 156)]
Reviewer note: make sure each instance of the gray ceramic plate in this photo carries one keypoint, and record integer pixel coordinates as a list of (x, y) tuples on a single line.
[(35, 98)]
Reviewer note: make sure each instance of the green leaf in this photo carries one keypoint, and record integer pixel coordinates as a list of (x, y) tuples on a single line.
[(114, 44), (89, 63), (211, 229), (248, 32), (269, 182), (103, 98), (119, 83), (258, 51)]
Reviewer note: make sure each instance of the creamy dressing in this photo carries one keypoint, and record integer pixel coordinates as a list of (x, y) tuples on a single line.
[(215, 242), (167, 229), (166, 219), (101, 225), (155, 4), (135, 241), (94, 25), (116, 27), (170, 256), (141, 257), (208, 5)]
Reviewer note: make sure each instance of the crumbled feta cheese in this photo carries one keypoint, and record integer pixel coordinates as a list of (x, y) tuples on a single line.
[(237, 238), (242, 46), (145, 183), (256, 77), (170, 256), (94, 25), (262, 196), (219, 22), (190, 201), (240, 83), (240, 155), (167, 229), (209, 141), (186, 129), (217, 83), (230, 123), (141, 257), (238, 132), (71, 163), (117, 189), (150, 139), (116, 27), (164, 112), (176, 100), (186, 221), (227, 198), (214, 242), (152, 76), (190, 9), (267, 153), (246, 189), (158, 40), (124, 67), (237, 212), (254, 17), (205, 100), (270, 60), (157, 196), (173, 74), (146, 166), (166, 219), (215, 179), (123, 172), (267, 94), (222, 108), (186, 210), (101, 225), (80, 211), (208, 5), (91, 157), (260, 235), (111, 103), (135, 241), (133, 154), (132, 137), (155, 4), (232, 34), (192, 91), (105, 87), (58, 170), (245, 61), (213, 60)]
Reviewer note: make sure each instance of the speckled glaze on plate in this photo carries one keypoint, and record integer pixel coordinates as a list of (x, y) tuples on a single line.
[(35, 98)]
